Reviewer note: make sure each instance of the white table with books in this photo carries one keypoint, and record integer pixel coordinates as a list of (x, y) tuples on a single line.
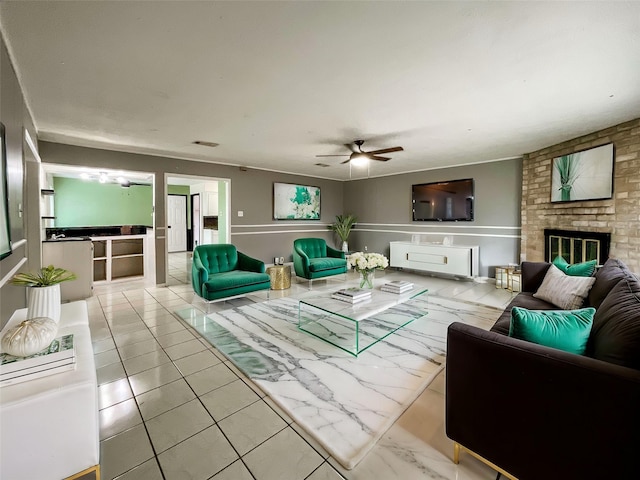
[(355, 319), (49, 422)]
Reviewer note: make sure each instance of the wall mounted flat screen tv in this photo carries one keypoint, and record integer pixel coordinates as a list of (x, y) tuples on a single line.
[(443, 201)]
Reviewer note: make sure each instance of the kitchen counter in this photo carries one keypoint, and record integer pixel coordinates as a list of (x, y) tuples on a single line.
[(74, 254), (97, 231), (68, 239), (120, 252), (120, 256)]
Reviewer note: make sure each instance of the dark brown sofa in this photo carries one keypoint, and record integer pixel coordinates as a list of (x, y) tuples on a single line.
[(539, 413)]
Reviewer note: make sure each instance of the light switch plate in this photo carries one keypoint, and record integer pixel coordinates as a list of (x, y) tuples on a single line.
[(240, 213)]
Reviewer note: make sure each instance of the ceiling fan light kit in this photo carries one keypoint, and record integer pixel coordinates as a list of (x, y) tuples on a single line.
[(360, 158), (110, 178)]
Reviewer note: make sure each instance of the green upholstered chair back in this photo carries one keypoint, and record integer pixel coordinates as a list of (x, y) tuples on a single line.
[(312, 247), (217, 258)]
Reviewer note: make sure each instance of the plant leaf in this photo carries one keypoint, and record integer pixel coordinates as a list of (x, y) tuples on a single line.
[(44, 277)]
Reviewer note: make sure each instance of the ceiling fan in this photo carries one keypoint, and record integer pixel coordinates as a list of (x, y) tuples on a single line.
[(358, 154), (107, 177)]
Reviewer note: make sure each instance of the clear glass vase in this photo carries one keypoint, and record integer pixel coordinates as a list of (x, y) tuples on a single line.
[(366, 278)]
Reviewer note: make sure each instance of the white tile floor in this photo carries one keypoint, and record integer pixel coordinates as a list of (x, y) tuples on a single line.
[(172, 407)]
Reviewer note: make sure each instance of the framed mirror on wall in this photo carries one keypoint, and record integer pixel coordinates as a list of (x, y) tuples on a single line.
[(5, 230)]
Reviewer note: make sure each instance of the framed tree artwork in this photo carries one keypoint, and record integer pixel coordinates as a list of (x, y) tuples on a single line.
[(585, 175)]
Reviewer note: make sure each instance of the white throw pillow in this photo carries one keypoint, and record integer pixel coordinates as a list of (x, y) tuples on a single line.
[(564, 291)]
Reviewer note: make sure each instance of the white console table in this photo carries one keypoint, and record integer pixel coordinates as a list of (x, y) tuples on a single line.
[(49, 426), (436, 258)]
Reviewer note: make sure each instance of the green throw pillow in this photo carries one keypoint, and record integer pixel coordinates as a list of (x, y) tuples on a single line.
[(584, 269), (566, 330)]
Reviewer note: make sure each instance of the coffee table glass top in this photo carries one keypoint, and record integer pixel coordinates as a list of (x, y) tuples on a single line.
[(356, 327)]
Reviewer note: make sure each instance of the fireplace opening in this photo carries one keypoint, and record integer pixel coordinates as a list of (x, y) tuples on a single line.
[(575, 246)]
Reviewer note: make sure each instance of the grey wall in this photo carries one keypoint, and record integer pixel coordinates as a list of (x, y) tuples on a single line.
[(15, 117), (383, 206), (255, 233)]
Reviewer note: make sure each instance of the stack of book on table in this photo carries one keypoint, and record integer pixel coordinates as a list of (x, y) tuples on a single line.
[(352, 295), (57, 357), (397, 286)]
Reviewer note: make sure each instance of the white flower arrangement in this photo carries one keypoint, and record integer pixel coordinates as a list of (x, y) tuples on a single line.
[(368, 261)]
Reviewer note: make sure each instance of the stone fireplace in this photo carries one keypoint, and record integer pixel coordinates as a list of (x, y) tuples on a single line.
[(619, 216), (575, 246)]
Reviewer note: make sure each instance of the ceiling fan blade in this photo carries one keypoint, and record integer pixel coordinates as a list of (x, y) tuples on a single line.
[(386, 150), (382, 159), (346, 161), (352, 147), (345, 155)]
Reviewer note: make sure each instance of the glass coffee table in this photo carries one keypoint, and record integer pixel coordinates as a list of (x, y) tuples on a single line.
[(356, 327)]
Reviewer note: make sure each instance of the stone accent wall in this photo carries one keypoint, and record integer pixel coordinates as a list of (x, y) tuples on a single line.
[(619, 216)]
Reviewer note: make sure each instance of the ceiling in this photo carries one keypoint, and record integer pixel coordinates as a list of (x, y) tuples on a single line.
[(277, 83)]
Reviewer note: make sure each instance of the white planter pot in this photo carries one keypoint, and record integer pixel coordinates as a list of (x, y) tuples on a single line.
[(345, 247), (44, 302)]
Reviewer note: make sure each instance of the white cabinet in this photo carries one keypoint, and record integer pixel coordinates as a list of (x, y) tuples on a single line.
[(118, 257), (77, 257), (46, 207), (50, 425), (428, 257), (210, 236), (210, 204)]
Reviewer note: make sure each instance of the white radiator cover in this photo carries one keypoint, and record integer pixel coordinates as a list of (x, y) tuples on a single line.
[(436, 258)]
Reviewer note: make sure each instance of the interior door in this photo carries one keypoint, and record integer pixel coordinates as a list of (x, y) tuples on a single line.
[(176, 223), (196, 224)]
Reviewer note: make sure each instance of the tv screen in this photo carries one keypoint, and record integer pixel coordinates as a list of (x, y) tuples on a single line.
[(443, 201)]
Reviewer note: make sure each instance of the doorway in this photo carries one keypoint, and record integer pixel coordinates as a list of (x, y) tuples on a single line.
[(176, 223), (195, 220), (208, 218), (91, 199)]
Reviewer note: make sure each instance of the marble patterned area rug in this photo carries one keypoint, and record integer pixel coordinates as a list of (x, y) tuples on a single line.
[(345, 403)]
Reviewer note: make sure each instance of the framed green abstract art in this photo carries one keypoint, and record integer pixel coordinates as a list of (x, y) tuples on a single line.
[(586, 175), (295, 202)]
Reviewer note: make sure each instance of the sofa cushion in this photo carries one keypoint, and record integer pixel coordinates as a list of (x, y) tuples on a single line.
[(327, 263), (312, 247), (584, 269), (616, 326), (524, 300), (234, 279), (607, 277), (564, 291), (566, 330), (218, 258), (533, 274)]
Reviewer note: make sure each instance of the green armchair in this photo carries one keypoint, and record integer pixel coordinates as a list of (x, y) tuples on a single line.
[(220, 272), (313, 259)]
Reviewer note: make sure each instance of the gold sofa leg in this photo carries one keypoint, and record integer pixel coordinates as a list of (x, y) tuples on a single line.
[(95, 469), (456, 459)]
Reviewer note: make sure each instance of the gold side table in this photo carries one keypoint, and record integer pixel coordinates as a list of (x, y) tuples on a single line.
[(502, 274), (280, 277), (514, 281), (509, 277)]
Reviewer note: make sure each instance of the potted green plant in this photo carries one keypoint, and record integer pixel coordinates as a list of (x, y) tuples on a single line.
[(342, 227), (43, 294)]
